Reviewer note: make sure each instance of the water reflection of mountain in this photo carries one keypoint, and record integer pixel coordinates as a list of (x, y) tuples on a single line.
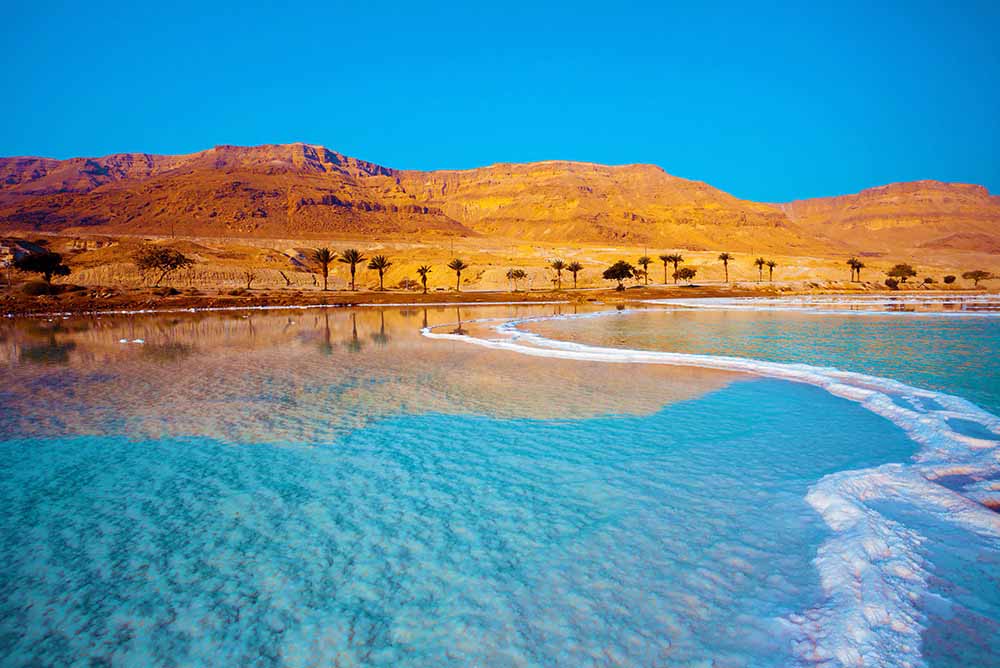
[(297, 376)]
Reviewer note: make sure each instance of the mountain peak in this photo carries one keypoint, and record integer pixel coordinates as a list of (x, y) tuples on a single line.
[(302, 189)]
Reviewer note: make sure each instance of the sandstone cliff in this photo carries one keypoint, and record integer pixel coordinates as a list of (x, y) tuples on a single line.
[(300, 190)]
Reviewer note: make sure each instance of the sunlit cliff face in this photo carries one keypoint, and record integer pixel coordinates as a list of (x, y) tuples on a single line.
[(303, 191)]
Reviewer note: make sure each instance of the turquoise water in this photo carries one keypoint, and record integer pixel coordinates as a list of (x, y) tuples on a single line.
[(954, 355), (333, 488)]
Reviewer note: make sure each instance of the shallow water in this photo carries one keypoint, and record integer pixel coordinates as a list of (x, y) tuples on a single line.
[(957, 355), (303, 488)]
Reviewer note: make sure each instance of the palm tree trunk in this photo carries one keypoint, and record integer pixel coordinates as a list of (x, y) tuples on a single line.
[(352, 278), (664, 273), (458, 281), (725, 266), (675, 273), (574, 280)]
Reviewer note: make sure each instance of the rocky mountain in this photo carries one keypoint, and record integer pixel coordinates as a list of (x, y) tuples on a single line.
[(921, 214), (300, 190)]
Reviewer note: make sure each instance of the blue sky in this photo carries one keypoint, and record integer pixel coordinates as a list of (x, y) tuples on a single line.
[(770, 102)]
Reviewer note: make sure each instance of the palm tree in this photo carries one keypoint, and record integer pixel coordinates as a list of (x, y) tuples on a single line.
[(725, 257), (458, 267), (574, 268), (675, 259), (353, 257), (380, 337), (558, 265), (323, 257), (512, 278), (858, 266), (852, 262), (354, 343), (458, 314), (760, 262), (381, 264), (515, 275), (644, 262), (771, 264), (423, 270)]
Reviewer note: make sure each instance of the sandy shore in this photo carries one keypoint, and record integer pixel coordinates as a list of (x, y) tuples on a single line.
[(97, 300)]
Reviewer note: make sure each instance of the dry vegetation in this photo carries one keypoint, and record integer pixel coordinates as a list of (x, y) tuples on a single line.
[(281, 271)]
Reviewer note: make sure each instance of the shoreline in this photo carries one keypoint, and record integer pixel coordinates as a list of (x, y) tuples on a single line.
[(102, 300)]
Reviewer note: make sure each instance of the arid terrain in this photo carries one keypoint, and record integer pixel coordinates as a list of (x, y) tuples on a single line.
[(249, 217)]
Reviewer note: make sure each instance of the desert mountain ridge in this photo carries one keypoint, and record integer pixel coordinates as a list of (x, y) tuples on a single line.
[(308, 191)]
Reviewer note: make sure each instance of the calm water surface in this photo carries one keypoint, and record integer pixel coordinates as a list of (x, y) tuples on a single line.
[(329, 487)]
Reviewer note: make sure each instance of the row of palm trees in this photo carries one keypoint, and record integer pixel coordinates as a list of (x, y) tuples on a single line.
[(324, 257), (856, 266), (675, 259), (761, 263)]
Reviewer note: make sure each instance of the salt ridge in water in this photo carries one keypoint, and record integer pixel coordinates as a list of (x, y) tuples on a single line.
[(871, 568)]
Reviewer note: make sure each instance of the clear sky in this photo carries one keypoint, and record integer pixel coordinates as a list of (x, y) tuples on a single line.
[(769, 101)]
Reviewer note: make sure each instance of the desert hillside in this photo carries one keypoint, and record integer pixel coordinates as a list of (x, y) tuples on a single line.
[(927, 215), (301, 191)]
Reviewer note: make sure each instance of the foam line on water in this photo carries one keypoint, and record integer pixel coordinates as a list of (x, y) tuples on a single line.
[(871, 567)]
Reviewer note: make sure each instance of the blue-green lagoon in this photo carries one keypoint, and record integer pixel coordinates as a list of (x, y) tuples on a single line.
[(500, 486)]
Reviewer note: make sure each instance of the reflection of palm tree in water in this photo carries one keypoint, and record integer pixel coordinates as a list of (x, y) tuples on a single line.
[(425, 317), (458, 330), (326, 347), (354, 343), (380, 337)]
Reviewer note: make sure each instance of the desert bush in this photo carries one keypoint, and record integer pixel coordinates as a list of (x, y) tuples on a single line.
[(928, 280), (408, 284), (685, 273), (949, 279), (976, 276), (46, 264), (901, 272), (892, 283), (35, 288), (160, 262)]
